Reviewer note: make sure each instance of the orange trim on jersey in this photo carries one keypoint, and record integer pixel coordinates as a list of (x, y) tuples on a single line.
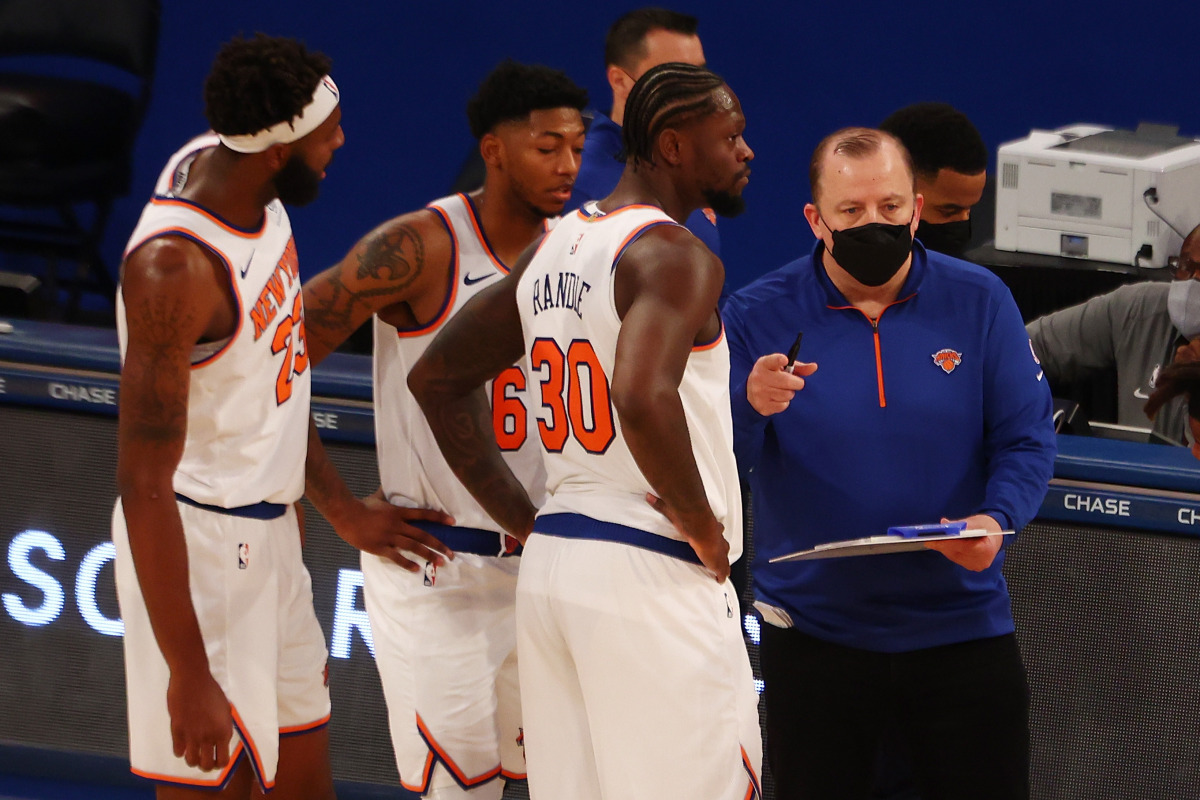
[(251, 749), (215, 782), (425, 774), (541, 243), (292, 730), (444, 313), (635, 233), (181, 203), (483, 240), (615, 211), (755, 788), (192, 236), (699, 348), (237, 298), (455, 770), (513, 776)]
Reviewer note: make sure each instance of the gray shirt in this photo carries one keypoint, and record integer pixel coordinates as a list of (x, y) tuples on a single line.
[(1129, 329)]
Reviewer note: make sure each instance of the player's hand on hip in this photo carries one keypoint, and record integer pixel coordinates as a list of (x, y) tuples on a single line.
[(705, 534), (201, 720), (770, 386), (383, 529), (975, 554)]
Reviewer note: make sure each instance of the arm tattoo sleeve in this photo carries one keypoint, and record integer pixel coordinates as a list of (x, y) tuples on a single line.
[(388, 263)]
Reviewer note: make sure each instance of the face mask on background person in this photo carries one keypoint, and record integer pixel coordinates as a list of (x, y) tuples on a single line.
[(950, 238), (1183, 304), (872, 253)]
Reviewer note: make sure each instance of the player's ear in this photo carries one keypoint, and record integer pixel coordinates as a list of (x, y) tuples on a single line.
[(670, 146), (619, 81), (277, 156), (491, 148), (813, 217)]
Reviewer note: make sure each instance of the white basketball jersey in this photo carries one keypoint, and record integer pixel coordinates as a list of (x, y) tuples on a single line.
[(412, 470), (248, 398), (570, 323)]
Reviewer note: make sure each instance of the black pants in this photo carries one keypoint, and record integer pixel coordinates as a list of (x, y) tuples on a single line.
[(959, 715)]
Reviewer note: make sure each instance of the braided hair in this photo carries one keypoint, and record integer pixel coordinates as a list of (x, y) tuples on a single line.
[(256, 83), (668, 95)]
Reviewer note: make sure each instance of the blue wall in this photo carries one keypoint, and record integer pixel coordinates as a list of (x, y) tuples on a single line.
[(801, 70)]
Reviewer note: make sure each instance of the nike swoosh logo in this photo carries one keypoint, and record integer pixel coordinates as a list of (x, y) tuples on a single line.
[(1041, 375), (470, 280), (246, 268), (1140, 395)]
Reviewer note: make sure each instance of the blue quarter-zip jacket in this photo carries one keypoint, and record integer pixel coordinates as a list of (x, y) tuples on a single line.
[(936, 409)]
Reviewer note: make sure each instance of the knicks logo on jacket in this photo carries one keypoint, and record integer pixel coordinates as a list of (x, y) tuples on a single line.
[(947, 359)]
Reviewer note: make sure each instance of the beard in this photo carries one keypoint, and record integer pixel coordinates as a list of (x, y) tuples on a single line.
[(297, 184), (725, 204)]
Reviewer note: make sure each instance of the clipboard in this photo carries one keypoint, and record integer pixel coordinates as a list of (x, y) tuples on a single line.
[(897, 540)]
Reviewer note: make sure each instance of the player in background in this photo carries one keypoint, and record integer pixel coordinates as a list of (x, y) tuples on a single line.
[(225, 661), (635, 42), (635, 680), (445, 643)]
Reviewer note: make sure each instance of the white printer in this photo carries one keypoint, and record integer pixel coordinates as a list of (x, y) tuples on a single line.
[(1087, 191)]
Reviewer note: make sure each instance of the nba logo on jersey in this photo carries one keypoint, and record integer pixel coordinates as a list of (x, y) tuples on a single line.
[(575, 245), (243, 555), (430, 573)]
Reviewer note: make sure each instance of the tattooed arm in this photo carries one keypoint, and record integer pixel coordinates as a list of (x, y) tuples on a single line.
[(173, 299), (398, 270), (475, 346), (372, 525)]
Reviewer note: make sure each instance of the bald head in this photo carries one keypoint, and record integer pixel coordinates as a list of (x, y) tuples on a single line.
[(855, 144)]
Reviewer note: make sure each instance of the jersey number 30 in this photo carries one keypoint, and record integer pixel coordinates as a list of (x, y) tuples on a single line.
[(574, 394)]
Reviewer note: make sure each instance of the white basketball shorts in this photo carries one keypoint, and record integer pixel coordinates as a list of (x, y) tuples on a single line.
[(445, 647), (253, 599), (635, 679)]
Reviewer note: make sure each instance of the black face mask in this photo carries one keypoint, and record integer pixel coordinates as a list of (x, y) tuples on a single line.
[(872, 253), (950, 238)]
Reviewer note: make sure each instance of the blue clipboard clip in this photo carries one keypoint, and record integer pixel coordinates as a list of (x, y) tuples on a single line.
[(934, 529)]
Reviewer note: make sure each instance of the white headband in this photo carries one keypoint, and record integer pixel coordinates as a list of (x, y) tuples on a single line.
[(325, 100)]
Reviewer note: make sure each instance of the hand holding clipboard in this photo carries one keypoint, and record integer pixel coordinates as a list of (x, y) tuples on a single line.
[(973, 548)]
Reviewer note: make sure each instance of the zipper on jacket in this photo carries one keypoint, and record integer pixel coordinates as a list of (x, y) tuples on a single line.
[(878, 361), (875, 333)]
